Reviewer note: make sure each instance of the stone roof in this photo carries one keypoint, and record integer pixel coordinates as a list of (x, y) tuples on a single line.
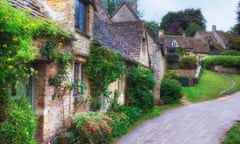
[(33, 5), (129, 36), (195, 45), (104, 36), (219, 38)]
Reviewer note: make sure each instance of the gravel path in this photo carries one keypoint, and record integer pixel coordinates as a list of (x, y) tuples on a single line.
[(201, 123)]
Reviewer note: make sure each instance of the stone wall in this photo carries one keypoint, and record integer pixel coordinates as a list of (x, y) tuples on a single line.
[(221, 69)]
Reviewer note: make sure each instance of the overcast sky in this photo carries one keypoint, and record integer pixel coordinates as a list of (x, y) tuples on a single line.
[(221, 13)]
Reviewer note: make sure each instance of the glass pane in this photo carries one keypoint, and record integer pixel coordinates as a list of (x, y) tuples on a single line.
[(76, 13), (82, 16), (76, 72)]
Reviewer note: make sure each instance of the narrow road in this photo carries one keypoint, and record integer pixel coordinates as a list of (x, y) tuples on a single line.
[(201, 123)]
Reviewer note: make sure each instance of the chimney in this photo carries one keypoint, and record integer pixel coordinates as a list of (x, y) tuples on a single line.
[(184, 35), (133, 5), (160, 33), (214, 28)]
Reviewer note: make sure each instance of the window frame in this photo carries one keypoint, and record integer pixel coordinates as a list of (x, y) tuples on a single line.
[(79, 25)]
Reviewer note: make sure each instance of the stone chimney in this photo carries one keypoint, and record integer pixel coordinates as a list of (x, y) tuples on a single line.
[(214, 28), (184, 35), (160, 33), (133, 5)]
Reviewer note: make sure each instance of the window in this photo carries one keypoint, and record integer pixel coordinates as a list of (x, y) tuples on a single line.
[(174, 44), (79, 84), (80, 15)]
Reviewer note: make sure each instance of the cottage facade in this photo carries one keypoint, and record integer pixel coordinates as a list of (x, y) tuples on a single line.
[(52, 110), (124, 32)]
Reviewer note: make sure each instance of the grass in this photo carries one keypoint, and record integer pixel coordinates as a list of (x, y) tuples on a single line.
[(236, 78), (233, 135), (157, 111), (209, 87)]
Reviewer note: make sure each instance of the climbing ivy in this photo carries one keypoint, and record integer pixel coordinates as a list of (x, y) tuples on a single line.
[(104, 67), (17, 29)]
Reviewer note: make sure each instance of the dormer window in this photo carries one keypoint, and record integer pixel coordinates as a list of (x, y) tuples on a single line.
[(80, 15), (174, 44)]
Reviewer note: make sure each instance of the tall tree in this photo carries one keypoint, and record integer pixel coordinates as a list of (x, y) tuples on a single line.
[(178, 22)]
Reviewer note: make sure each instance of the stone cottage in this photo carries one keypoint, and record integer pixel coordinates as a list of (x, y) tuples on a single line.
[(75, 16), (215, 38), (189, 45), (124, 32)]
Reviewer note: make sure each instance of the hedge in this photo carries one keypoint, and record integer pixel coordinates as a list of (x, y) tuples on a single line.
[(226, 61)]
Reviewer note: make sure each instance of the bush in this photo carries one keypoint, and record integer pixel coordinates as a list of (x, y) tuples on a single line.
[(91, 128), (226, 61), (188, 62), (184, 81), (20, 124), (231, 53), (171, 75), (171, 91), (132, 112), (173, 57), (140, 82), (119, 123)]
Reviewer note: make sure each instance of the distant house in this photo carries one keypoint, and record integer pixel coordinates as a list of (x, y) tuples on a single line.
[(215, 38), (188, 45), (126, 33)]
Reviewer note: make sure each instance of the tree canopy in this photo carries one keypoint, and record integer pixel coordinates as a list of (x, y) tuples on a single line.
[(187, 21)]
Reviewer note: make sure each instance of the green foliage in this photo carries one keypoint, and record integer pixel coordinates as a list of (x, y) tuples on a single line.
[(153, 28), (235, 40), (171, 91), (20, 124), (231, 53), (17, 29), (119, 123), (132, 112), (188, 21), (91, 128), (173, 57), (104, 67), (188, 62), (209, 86), (192, 29), (233, 135), (140, 82), (171, 75), (226, 61)]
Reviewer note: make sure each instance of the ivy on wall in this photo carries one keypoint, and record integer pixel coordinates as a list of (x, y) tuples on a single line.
[(17, 29), (104, 67)]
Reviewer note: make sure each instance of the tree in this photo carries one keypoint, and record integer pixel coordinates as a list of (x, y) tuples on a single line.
[(152, 28), (177, 23), (192, 29), (111, 5)]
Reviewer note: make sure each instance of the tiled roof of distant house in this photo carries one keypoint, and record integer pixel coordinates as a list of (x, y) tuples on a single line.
[(195, 45)]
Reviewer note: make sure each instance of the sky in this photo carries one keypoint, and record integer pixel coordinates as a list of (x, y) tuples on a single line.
[(221, 13)]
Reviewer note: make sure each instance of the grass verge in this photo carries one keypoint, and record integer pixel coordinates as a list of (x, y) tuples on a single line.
[(209, 87), (236, 78), (233, 135)]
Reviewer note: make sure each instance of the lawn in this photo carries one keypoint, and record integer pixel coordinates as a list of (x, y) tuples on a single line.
[(236, 78), (233, 135), (209, 87)]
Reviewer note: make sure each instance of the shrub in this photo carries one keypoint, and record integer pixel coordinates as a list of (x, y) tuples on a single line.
[(188, 62), (184, 81), (171, 91), (91, 128), (231, 53), (119, 122), (20, 124), (140, 82), (173, 57), (171, 75), (226, 61), (132, 112)]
